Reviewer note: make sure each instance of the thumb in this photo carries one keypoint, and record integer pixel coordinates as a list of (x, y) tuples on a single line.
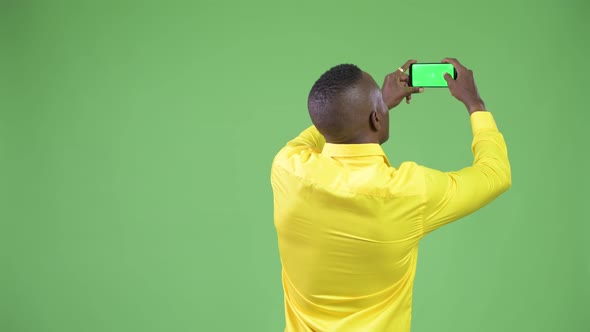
[(449, 79), (412, 89)]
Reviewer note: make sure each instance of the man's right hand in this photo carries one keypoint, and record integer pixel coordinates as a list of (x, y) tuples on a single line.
[(463, 88)]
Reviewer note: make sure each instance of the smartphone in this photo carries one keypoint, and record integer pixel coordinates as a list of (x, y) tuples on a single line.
[(430, 75)]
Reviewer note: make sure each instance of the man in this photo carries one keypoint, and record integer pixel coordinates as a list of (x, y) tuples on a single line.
[(348, 223)]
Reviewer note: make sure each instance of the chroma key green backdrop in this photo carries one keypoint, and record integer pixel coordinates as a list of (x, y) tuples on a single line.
[(136, 140)]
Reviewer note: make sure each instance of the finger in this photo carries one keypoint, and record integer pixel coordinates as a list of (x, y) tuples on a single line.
[(406, 65), (404, 78), (394, 77), (409, 96), (449, 79), (458, 66)]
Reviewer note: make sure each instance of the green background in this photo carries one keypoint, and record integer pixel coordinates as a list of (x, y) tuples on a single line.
[(136, 141)]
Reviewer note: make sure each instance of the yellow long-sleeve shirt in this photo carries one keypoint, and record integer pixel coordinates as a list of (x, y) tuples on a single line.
[(348, 225)]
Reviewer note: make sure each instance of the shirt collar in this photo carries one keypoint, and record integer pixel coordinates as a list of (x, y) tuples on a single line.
[(353, 150)]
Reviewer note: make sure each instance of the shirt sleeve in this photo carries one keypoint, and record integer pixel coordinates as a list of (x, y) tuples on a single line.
[(453, 195)]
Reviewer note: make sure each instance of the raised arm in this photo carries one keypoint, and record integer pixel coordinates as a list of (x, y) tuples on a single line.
[(310, 138), (453, 195)]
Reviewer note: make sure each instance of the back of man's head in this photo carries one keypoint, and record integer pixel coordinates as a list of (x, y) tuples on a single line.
[(340, 104)]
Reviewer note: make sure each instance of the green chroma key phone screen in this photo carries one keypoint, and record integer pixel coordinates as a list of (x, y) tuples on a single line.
[(430, 75)]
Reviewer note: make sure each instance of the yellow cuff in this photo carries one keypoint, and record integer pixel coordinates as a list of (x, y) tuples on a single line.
[(481, 121)]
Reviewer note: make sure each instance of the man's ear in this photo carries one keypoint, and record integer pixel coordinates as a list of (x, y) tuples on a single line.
[(375, 121)]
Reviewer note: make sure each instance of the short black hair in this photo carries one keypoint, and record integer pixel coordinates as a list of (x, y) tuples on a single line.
[(331, 84)]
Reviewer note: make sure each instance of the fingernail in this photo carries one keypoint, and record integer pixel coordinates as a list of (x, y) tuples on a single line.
[(421, 90)]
